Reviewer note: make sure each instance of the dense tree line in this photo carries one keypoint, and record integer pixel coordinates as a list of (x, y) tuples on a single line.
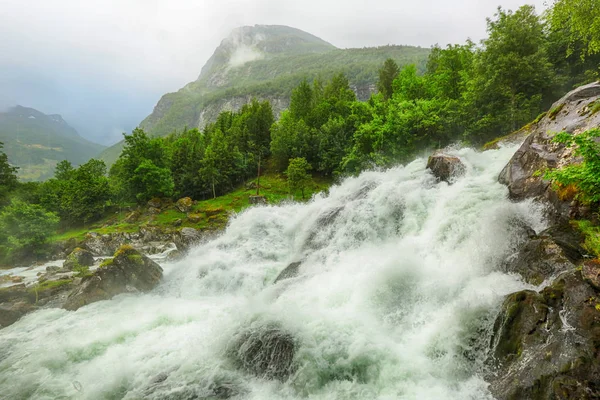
[(469, 93)]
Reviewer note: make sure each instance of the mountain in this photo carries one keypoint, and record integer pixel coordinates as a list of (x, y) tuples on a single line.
[(267, 62), (36, 142)]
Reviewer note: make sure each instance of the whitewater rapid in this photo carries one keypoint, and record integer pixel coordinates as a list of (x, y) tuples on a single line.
[(397, 292)]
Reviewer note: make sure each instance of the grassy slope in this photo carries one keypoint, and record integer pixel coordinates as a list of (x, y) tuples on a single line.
[(213, 213)]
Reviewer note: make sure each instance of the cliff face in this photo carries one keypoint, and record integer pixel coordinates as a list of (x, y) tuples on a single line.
[(546, 342)]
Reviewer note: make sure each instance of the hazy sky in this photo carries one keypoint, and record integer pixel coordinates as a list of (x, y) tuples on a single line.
[(103, 64)]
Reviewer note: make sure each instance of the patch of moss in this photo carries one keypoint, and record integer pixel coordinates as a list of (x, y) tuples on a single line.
[(106, 263), (135, 258), (539, 117), (594, 107), (554, 112), (591, 232), (124, 250), (48, 285)]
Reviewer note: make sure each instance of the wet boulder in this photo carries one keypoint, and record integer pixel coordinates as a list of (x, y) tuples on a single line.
[(128, 271), (266, 351), (545, 344), (539, 152), (445, 167), (291, 271), (184, 204), (78, 258), (552, 252)]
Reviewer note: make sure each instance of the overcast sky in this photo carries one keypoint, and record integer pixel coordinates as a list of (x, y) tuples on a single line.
[(103, 64)]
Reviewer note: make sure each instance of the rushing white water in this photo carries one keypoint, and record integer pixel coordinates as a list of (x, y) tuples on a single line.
[(397, 291)]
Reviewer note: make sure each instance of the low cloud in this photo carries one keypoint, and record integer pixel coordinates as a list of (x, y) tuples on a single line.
[(106, 63)]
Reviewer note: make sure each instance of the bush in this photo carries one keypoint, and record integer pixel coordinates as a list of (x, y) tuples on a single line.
[(26, 228), (585, 177)]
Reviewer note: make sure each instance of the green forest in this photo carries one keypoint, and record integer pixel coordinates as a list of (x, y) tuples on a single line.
[(468, 93)]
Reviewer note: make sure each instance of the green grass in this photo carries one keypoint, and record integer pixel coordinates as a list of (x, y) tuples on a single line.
[(47, 285), (591, 233), (213, 213)]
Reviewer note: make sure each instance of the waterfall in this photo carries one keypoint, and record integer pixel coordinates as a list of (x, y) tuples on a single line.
[(394, 298)]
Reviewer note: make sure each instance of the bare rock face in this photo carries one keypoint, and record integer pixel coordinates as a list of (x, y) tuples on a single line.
[(445, 167), (524, 173), (128, 271)]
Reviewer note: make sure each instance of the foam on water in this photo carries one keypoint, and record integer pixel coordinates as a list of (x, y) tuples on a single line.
[(397, 291)]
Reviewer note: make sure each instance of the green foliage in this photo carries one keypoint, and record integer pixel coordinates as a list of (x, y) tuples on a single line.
[(298, 174), (591, 233), (511, 74), (77, 195), (155, 181), (585, 177), (387, 73), (8, 176), (25, 228), (581, 19)]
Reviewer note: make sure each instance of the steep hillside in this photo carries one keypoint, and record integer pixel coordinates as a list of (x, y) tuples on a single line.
[(266, 62), (36, 142)]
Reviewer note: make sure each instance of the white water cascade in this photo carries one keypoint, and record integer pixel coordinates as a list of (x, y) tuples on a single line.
[(395, 299)]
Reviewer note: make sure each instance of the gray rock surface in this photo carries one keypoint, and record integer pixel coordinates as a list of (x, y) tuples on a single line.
[(524, 173)]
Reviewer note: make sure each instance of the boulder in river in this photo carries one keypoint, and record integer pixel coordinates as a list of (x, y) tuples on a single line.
[(128, 271), (546, 344), (445, 167), (78, 258), (290, 271), (266, 351)]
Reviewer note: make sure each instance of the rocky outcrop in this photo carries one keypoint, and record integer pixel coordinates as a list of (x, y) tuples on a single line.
[(184, 204), (78, 258), (149, 240), (546, 255), (18, 300), (445, 167), (266, 351), (546, 345), (524, 174), (129, 271)]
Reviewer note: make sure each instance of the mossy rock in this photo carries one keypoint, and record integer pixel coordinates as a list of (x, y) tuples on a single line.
[(127, 271), (79, 259)]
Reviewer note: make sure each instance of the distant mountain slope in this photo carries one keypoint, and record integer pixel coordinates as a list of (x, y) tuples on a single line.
[(36, 142), (266, 61)]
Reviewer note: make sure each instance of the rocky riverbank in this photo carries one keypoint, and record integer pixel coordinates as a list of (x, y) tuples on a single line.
[(546, 342)]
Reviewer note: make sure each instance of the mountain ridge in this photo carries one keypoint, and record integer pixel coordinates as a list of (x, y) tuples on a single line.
[(268, 62), (36, 142)]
